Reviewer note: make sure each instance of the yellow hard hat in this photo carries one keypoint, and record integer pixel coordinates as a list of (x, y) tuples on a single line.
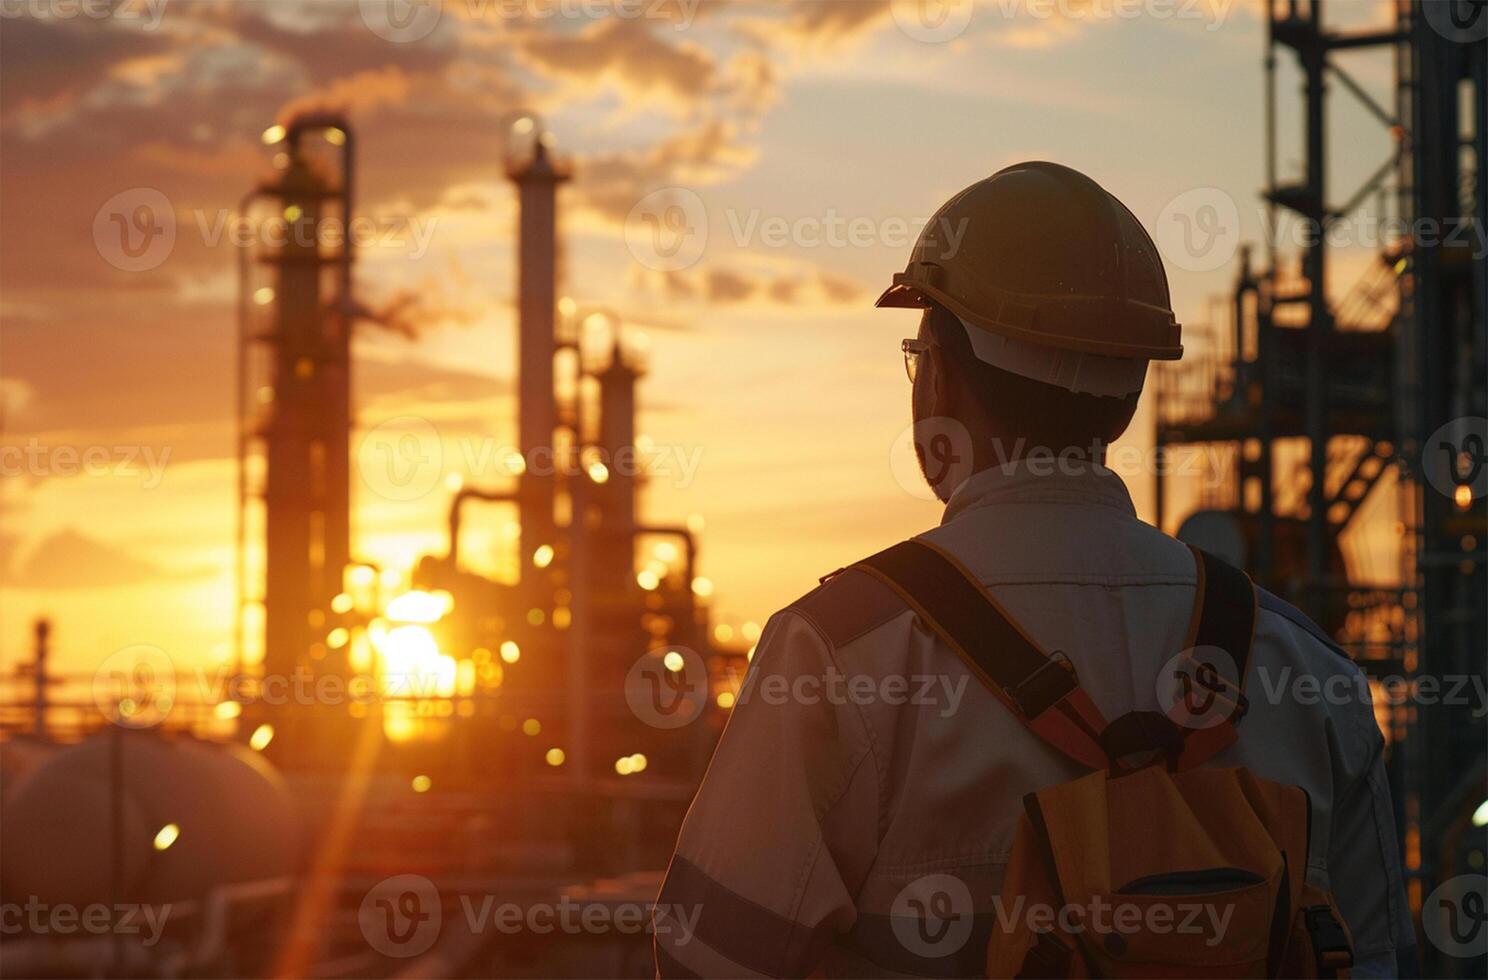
[(1041, 254)]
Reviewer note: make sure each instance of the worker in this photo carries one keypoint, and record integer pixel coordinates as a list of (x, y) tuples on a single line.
[(876, 792)]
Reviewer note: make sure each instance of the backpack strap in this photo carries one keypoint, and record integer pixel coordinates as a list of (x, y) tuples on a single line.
[(1224, 617), (1040, 689)]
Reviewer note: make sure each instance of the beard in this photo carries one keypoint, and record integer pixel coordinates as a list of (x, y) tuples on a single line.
[(944, 453)]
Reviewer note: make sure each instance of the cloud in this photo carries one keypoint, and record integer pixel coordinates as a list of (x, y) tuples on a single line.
[(627, 55), (610, 184), (69, 559), (821, 23), (363, 90), (720, 285)]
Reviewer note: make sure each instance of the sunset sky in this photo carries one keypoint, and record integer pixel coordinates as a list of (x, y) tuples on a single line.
[(765, 356)]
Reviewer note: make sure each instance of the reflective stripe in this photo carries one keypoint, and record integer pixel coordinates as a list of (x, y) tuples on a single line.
[(875, 938), (746, 932), (668, 965)]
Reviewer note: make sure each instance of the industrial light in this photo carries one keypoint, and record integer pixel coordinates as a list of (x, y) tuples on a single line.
[(166, 836), (624, 766), (1480, 815), (264, 295), (274, 134), (510, 652), (725, 699), (555, 757), (543, 556), (674, 661), (421, 783), (598, 472), (261, 737), (1464, 496), (647, 579), (666, 551), (338, 638), (342, 603), (335, 137), (531, 727), (420, 607), (702, 588), (227, 710)]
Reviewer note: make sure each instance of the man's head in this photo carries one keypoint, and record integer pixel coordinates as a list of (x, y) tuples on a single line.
[(1006, 415), (1044, 301)]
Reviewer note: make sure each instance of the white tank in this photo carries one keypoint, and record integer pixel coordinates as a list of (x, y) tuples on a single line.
[(235, 819)]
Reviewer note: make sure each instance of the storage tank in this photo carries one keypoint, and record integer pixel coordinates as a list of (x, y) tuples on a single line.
[(232, 818)]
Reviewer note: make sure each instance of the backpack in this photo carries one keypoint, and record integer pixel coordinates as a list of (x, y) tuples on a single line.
[(1149, 866)]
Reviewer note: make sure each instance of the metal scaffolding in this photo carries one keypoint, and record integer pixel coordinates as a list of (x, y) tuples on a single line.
[(1322, 407)]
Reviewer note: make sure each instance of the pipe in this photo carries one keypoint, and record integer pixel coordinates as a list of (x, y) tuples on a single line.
[(690, 561), (467, 494), (244, 314)]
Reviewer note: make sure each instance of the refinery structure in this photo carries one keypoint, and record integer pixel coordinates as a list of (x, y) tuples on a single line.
[(1349, 460), (535, 739)]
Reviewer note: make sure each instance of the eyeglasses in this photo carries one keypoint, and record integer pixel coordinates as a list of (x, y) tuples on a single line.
[(913, 351)]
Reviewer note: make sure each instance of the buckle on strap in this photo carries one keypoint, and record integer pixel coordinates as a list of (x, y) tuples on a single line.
[(1329, 940), (1047, 958), (1045, 687)]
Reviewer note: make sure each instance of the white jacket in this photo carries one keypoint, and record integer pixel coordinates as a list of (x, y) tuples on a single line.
[(864, 772)]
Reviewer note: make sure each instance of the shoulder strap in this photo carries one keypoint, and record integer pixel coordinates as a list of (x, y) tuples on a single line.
[(1041, 690), (1224, 618)]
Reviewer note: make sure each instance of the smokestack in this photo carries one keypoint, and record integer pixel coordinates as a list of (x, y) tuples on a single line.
[(537, 181), (617, 425)]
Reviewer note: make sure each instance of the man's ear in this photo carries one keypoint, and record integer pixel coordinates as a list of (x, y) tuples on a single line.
[(946, 389)]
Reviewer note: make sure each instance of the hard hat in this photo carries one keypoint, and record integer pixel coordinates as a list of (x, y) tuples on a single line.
[(1054, 278)]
